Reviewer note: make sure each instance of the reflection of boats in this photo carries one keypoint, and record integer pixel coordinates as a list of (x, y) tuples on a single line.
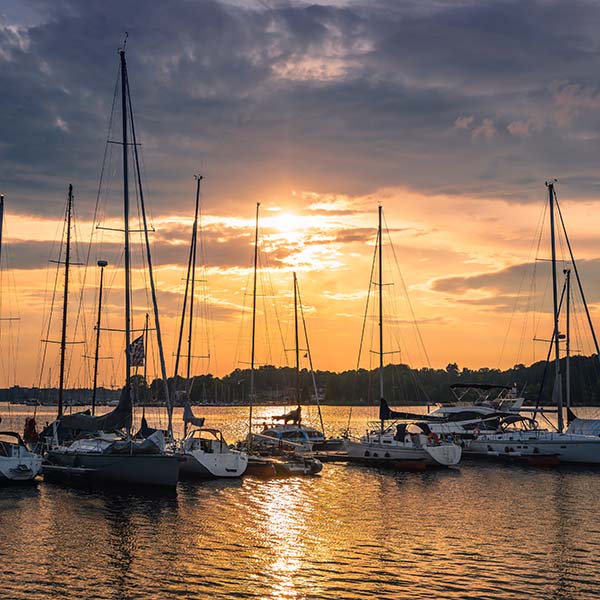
[(397, 446), (522, 437), (17, 463), (99, 449)]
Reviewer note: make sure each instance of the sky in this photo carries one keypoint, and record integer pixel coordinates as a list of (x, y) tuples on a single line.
[(450, 114)]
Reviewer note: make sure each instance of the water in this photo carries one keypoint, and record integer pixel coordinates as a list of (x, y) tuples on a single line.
[(480, 531)]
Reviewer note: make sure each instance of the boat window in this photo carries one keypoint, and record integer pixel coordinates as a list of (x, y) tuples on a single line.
[(291, 435)]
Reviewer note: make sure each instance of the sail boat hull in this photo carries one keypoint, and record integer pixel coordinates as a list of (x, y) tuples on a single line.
[(161, 470), (402, 456), (17, 464)]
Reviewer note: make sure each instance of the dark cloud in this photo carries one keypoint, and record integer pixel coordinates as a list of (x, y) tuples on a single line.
[(453, 97), (525, 286)]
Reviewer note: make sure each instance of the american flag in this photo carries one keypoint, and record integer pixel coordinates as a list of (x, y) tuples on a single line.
[(136, 352)]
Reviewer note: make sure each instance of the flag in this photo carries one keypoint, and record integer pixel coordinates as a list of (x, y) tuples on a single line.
[(136, 352)]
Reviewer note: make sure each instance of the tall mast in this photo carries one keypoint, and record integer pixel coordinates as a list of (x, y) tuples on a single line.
[(310, 362), (101, 264), (380, 312), (253, 346), (126, 221), (193, 277), (161, 352), (558, 377), (1, 223), (297, 349), (63, 337), (567, 273)]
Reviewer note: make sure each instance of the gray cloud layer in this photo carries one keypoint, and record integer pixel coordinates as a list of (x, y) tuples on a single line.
[(457, 97)]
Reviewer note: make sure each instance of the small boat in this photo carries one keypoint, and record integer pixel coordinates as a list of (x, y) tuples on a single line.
[(310, 437), (522, 436), (395, 446), (113, 459), (17, 463), (206, 455), (291, 428), (267, 455), (100, 449)]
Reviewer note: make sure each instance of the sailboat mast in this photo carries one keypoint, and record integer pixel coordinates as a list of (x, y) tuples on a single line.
[(101, 264), (297, 349), (63, 337), (126, 221), (310, 362), (253, 343), (161, 352), (1, 223), (380, 259), (567, 273), (193, 277), (558, 377)]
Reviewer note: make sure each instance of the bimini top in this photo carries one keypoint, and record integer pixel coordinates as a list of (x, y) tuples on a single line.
[(480, 386)]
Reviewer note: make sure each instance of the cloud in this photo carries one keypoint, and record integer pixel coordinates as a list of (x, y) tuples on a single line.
[(463, 122), (486, 130)]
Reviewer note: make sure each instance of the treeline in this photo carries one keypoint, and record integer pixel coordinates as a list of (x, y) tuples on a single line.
[(402, 385)]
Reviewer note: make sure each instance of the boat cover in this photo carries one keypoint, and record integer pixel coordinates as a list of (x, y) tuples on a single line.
[(294, 415), (585, 427), (155, 444), (68, 427), (188, 416)]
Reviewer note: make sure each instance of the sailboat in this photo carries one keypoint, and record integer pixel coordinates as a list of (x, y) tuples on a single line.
[(100, 449), (266, 461), (289, 426), (394, 445), (17, 463), (205, 453), (522, 438)]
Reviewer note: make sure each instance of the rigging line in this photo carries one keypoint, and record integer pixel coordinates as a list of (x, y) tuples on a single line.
[(53, 300), (520, 288), (410, 306), (579, 285), (271, 290), (364, 325), (547, 361)]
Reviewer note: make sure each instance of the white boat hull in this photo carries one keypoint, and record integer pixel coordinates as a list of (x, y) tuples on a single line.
[(20, 468), (567, 448), (375, 452), (203, 465)]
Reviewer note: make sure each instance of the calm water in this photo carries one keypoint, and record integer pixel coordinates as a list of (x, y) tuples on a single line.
[(481, 531)]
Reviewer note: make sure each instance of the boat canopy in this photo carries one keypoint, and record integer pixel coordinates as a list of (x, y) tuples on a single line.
[(479, 386)]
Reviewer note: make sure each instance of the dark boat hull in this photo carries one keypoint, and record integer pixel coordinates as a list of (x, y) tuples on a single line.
[(161, 470)]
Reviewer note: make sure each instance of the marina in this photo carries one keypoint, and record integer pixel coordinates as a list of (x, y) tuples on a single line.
[(179, 420), (311, 537)]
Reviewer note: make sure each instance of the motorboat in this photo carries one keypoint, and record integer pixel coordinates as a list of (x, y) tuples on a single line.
[(17, 462), (206, 455)]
